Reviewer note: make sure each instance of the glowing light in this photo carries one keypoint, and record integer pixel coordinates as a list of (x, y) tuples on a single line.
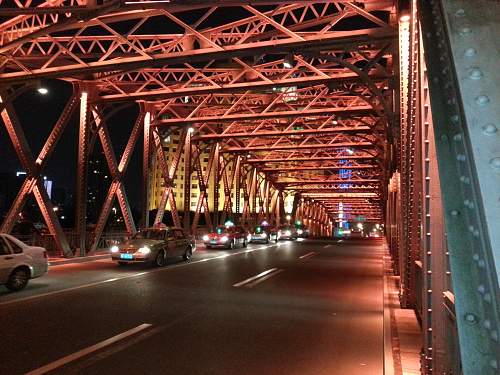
[(228, 223), (191, 130), (404, 18), (144, 250), (114, 249), (360, 225), (43, 90), (205, 237), (224, 238)]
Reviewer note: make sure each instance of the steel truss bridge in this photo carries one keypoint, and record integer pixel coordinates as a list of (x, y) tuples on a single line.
[(401, 97)]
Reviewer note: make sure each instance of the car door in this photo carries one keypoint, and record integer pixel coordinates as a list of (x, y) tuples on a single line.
[(7, 260), (171, 244), (180, 241)]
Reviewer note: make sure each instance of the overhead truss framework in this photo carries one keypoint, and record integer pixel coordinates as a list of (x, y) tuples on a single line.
[(287, 98)]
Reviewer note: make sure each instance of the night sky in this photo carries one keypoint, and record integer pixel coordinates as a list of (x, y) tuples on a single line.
[(38, 113)]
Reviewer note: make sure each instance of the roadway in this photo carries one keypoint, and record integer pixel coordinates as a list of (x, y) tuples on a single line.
[(304, 307)]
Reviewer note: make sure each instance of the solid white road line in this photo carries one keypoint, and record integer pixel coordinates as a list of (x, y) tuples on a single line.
[(307, 255), (324, 247), (258, 281), (83, 286), (253, 278), (81, 353)]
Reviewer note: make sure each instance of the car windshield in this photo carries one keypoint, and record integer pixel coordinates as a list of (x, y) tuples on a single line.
[(221, 230), (261, 229), (150, 234)]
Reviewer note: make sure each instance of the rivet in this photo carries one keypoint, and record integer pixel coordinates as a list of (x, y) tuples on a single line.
[(464, 179), (476, 233), (470, 52), (487, 324), (495, 163), (461, 157), (454, 213), (470, 318), (489, 129), (465, 31), (487, 297), (482, 100), (471, 228), (481, 289), (457, 137), (454, 118), (481, 263), (475, 73), (494, 363), (494, 335), (460, 12)]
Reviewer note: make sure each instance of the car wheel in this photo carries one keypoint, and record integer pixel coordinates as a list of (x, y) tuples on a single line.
[(160, 259), (18, 279), (245, 242), (188, 253)]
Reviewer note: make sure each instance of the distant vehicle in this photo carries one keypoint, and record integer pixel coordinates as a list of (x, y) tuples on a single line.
[(20, 262), (374, 234), (356, 233), (264, 233), (226, 236), (154, 245), (287, 232), (303, 231)]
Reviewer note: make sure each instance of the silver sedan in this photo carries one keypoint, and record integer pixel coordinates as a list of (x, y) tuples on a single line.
[(20, 262)]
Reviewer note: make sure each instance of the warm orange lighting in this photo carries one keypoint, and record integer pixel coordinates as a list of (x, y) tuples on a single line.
[(404, 18)]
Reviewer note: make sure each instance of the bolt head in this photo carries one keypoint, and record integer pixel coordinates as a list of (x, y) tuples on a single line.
[(475, 73), (454, 212), (470, 52), (460, 13), (495, 163), (482, 100), (465, 31), (489, 129), (470, 318)]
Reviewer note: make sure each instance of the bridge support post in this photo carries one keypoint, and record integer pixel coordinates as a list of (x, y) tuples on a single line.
[(460, 39), (86, 94), (33, 182)]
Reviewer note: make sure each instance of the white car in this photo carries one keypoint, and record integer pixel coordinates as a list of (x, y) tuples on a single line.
[(20, 262)]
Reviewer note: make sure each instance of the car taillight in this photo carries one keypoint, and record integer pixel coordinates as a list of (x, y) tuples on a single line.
[(45, 254)]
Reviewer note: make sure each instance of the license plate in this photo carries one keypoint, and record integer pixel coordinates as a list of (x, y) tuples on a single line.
[(126, 256), (213, 241)]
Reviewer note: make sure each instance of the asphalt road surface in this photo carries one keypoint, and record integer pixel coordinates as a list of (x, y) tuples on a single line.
[(302, 307)]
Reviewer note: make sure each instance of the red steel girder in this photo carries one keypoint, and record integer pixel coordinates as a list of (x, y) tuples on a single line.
[(32, 57)]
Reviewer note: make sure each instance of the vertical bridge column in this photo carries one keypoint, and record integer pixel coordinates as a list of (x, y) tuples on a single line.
[(461, 40)]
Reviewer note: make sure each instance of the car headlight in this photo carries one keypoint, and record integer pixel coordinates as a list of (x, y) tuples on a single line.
[(224, 238), (263, 235), (144, 250), (205, 238), (288, 233), (300, 231), (115, 249)]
